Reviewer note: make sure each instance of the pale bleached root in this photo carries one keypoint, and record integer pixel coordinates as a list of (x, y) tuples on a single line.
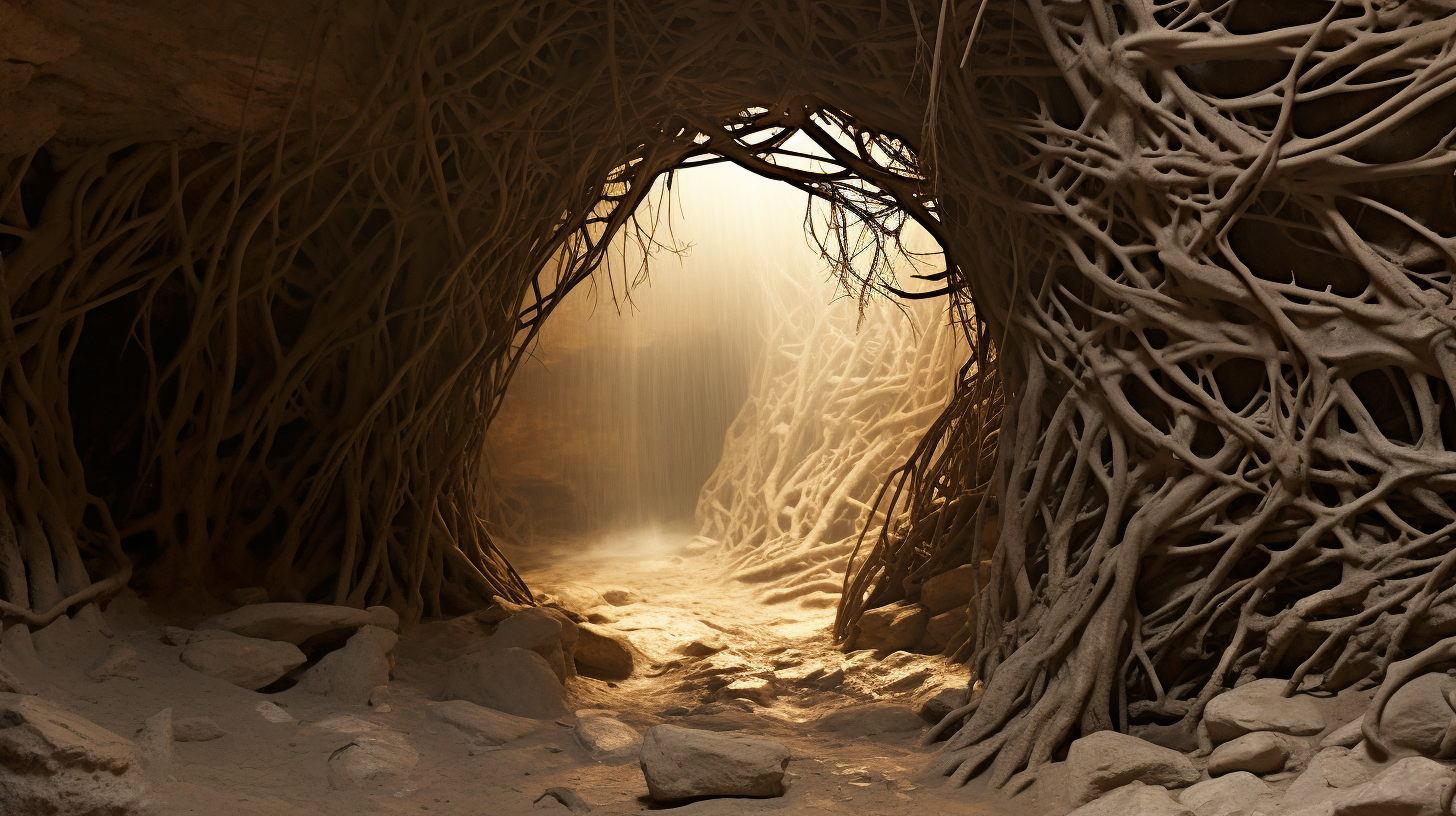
[(838, 399)]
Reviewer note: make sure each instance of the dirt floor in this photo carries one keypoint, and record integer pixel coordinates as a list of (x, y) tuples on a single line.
[(680, 608)]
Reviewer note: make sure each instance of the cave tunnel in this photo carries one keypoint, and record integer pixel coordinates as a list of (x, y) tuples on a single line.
[(987, 406)]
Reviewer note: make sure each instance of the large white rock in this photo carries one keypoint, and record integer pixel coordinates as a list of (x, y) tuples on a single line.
[(516, 681), (681, 763), (1261, 706), (481, 725), (1410, 787), (1236, 794), (1100, 762), (1134, 799), (291, 622), (536, 630), (243, 661), (1260, 752), (1417, 714), (378, 758), (603, 654), (55, 763), (350, 673), (606, 738)]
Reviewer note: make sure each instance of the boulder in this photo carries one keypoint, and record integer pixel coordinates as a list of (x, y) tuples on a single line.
[(383, 617), (1417, 714), (1236, 794), (892, 628), (251, 663), (606, 738), (379, 758), (1100, 762), (1134, 799), (941, 628), (602, 654), (940, 704), (948, 590), (294, 623), (56, 763), (1410, 787), (536, 630), (1258, 752), (1261, 706), (120, 660), (1346, 736), (681, 763), (351, 673), (196, 729), (516, 681), (480, 725), (869, 719)]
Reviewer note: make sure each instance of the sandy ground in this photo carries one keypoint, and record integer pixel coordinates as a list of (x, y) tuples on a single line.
[(281, 769)]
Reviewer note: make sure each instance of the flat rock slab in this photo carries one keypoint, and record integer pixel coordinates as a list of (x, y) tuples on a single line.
[(1261, 706), (251, 663), (516, 681), (481, 725), (56, 763), (1107, 760), (1134, 799), (682, 763), (293, 623)]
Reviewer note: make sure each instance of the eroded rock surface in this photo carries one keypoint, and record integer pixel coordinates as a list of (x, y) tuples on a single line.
[(603, 654), (1134, 799), (56, 763)]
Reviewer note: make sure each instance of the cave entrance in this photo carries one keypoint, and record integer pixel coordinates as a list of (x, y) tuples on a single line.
[(712, 441)]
